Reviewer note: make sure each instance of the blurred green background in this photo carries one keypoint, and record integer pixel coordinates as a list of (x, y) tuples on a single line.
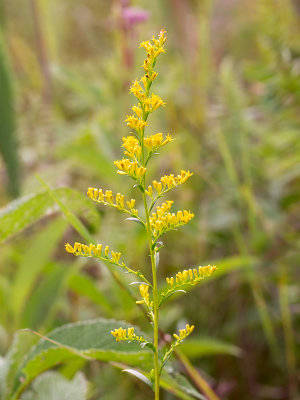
[(231, 81)]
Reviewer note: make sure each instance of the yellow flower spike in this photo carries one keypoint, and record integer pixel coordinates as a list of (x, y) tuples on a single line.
[(106, 251)]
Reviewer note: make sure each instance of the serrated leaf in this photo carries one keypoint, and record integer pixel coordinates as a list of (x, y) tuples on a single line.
[(23, 212), (53, 386), (90, 338), (138, 375)]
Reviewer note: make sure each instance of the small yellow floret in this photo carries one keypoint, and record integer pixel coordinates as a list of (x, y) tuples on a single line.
[(144, 291), (183, 333), (126, 334)]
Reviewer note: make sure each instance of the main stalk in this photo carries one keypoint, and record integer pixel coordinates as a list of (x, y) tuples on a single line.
[(155, 300)]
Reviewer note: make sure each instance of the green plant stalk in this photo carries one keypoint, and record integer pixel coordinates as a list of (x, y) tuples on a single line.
[(155, 301), (153, 267)]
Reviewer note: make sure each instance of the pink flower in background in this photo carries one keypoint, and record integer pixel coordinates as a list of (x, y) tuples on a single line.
[(133, 15)]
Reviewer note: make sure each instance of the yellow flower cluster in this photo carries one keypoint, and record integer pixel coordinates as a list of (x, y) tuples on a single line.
[(108, 199), (126, 334), (135, 123), (156, 141), (163, 221), (191, 276), (144, 291), (131, 168), (92, 250), (183, 333), (168, 182), (152, 103), (132, 147)]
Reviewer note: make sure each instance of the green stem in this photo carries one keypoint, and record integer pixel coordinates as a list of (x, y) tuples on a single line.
[(155, 300), (153, 266)]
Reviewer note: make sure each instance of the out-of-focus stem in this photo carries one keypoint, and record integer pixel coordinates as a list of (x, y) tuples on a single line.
[(199, 382)]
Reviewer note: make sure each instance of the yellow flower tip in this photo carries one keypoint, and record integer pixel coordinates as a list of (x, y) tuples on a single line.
[(189, 328), (106, 251), (149, 192), (176, 336)]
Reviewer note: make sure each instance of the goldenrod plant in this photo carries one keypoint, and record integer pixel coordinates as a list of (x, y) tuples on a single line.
[(156, 218)]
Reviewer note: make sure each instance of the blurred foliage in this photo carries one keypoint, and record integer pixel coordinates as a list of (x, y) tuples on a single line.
[(231, 79)]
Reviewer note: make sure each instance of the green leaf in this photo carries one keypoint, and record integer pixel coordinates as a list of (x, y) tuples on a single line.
[(85, 286), (23, 212), (138, 375), (37, 255), (39, 308), (194, 348), (85, 150), (53, 386), (88, 338), (69, 215), (8, 142), (230, 264)]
